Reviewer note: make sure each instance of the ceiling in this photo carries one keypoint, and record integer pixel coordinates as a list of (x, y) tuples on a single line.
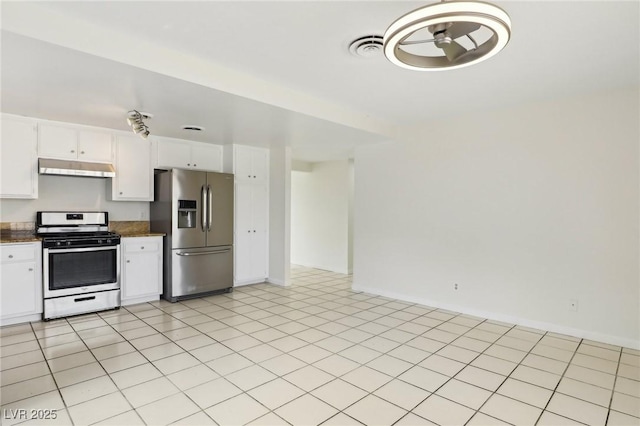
[(268, 73)]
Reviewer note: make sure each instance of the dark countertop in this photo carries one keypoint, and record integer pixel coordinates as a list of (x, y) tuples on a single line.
[(141, 234), (9, 237)]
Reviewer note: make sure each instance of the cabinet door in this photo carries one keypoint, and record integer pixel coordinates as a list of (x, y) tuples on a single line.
[(19, 159), (141, 275), (134, 175), (94, 146), (19, 289), (206, 157), (260, 164), (57, 142), (173, 154), (251, 232), (259, 243), (243, 168), (244, 228)]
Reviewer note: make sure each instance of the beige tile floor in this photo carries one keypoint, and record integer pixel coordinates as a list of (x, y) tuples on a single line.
[(313, 353)]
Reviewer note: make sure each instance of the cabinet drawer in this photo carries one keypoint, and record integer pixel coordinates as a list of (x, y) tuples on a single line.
[(17, 253), (141, 246)]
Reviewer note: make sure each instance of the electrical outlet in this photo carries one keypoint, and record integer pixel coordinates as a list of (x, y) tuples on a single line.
[(455, 286), (573, 305)]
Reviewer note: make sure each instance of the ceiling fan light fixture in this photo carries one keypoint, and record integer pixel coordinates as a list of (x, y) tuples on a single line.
[(447, 14)]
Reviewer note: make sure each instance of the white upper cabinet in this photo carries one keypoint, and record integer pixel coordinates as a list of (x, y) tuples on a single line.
[(74, 143), (19, 159), (134, 173), (251, 164), (180, 154)]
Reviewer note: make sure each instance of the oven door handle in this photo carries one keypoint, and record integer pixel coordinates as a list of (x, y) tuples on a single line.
[(202, 253), (53, 250)]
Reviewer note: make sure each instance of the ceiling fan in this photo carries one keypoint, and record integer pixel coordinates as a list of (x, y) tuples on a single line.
[(452, 27)]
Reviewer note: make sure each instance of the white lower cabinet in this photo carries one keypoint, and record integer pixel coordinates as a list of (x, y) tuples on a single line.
[(251, 208), (20, 283), (141, 270)]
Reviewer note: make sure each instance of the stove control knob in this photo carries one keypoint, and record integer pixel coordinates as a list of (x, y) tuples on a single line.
[(100, 241), (108, 241), (68, 243), (58, 243)]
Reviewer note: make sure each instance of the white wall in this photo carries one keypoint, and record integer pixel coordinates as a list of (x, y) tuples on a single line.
[(279, 214), (320, 216), (71, 193), (525, 208)]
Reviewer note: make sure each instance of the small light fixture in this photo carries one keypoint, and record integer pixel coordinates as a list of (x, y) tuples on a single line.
[(135, 120), (447, 21)]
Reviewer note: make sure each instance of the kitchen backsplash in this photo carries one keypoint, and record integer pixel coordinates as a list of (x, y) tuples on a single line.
[(129, 226), (17, 226)]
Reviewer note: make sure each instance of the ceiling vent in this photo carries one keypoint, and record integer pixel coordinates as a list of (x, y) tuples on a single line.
[(367, 46), (192, 128)]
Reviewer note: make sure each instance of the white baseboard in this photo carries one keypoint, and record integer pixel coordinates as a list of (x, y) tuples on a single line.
[(21, 319), (276, 281), (324, 268), (541, 325), (249, 282), (142, 299)]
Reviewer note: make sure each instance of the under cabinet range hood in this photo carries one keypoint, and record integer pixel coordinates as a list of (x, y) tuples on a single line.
[(48, 166)]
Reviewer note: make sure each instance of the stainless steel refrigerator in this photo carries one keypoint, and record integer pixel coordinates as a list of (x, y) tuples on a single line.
[(195, 210)]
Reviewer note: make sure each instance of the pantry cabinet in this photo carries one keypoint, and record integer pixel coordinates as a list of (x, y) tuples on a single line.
[(134, 173), (180, 154), (19, 159), (251, 228), (251, 164), (74, 143), (20, 283), (141, 269)]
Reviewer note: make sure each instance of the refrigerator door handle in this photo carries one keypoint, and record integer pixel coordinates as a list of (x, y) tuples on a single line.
[(202, 253), (203, 208), (209, 208)]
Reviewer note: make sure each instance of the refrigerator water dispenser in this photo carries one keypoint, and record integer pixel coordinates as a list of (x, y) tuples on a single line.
[(187, 213)]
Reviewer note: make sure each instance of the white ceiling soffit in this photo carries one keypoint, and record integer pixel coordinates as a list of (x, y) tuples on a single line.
[(61, 84), (295, 54), (109, 36)]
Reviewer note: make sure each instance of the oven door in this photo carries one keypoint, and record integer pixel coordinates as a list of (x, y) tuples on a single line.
[(80, 270)]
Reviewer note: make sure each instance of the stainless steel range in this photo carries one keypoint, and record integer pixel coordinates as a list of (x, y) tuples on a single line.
[(80, 263)]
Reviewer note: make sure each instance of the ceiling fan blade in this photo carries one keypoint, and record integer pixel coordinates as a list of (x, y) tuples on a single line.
[(471, 55), (454, 50), (459, 29), (407, 43)]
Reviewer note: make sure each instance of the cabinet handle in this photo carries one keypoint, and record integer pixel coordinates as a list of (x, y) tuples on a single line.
[(188, 164), (81, 152), (249, 176), (120, 192), (249, 230), (73, 150), (254, 177), (194, 164), (30, 269), (128, 261), (10, 256), (141, 247), (254, 231)]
